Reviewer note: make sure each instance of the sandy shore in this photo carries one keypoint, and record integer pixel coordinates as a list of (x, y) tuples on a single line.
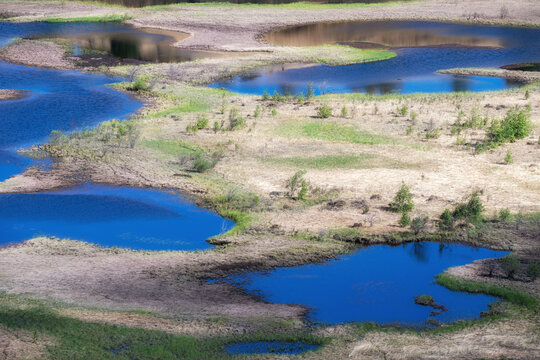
[(12, 94)]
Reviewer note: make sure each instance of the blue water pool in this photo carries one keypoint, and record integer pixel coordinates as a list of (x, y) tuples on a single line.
[(422, 49), (376, 283), (110, 216)]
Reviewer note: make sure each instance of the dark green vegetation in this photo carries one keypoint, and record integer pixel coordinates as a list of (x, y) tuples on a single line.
[(77, 339), (511, 295), (403, 204)]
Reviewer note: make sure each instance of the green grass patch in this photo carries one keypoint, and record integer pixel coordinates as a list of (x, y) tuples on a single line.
[(333, 132), (341, 54), (88, 19), (172, 147), (363, 161), (76, 339), (185, 108), (241, 220), (513, 296)]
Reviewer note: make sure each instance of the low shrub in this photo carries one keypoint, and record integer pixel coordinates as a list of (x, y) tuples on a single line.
[(324, 111), (510, 264)]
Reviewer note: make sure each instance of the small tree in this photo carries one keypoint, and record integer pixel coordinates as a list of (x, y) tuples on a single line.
[(446, 220), (510, 264), (533, 270), (470, 211), (405, 219), (419, 224), (297, 185), (403, 200), (508, 158), (324, 112)]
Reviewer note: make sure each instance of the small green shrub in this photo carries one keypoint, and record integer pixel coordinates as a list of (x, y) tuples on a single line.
[(405, 220), (504, 215), (324, 111), (510, 265), (470, 211), (274, 112), (344, 112), (402, 200), (257, 112), (236, 122), (527, 95), (433, 134), (508, 158), (446, 221), (277, 97), (516, 125), (216, 126), (265, 95), (310, 92), (533, 270), (404, 110), (419, 223), (140, 84), (298, 186), (300, 98), (414, 116)]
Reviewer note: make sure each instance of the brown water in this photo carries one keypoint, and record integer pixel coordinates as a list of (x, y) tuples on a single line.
[(377, 34), (141, 44)]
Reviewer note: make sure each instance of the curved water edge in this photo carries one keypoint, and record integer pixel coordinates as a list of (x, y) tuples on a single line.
[(110, 216), (422, 47), (376, 283), (138, 219)]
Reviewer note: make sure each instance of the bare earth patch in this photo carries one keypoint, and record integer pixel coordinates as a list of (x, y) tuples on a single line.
[(11, 94), (17, 344)]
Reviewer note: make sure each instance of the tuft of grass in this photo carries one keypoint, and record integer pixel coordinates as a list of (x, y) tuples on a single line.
[(89, 19), (333, 132), (362, 161), (513, 296), (191, 106)]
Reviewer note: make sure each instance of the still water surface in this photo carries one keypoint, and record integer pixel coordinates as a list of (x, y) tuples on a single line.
[(376, 283), (422, 48), (110, 216)]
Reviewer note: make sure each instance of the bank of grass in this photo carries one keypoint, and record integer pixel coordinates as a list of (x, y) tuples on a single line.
[(360, 161), (89, 19), (339, 54), (511, 295), (332, 132), (76, 339)]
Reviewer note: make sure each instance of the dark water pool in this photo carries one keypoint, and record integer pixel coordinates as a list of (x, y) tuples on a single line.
[(377, 283), (422, 49), (269, 347), (116, 39), (110, 216)]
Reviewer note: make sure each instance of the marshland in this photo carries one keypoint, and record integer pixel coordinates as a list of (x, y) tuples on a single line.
[(272, 180)]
